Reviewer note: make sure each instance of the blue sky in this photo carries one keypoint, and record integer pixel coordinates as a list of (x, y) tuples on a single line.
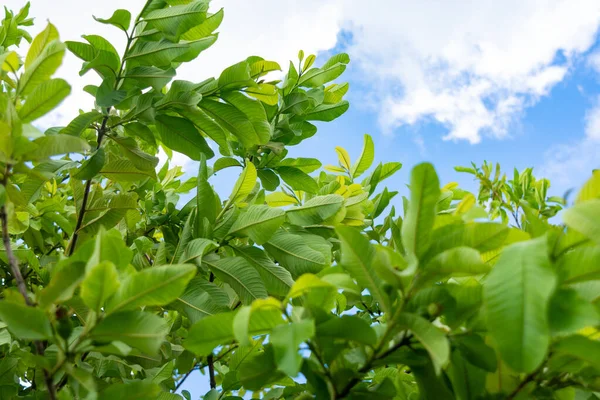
[(514, 81)]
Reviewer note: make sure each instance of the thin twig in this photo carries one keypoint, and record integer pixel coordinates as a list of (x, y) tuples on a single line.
[(529, 378)]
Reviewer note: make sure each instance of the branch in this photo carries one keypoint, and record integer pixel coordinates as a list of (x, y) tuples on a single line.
[(529, 378), (18, 277), (211, 371)]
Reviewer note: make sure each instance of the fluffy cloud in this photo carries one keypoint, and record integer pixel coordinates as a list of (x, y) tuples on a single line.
[(472, 66), (469, 65)]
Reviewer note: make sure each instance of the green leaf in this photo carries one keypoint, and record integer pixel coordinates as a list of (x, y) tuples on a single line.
[(580, 347), (358, 256), (268, 178), (297, 179), (209, 333), (116, 210), (590, 190), (316, 210), (285, 340), (134, 390), (294, 253), (584, 218), (205, 28), (327, 112), (459, 261), (100, 282), (235, 76), (580, 265), (244, 279), (81, 123), (348, 327), (568, 313), (209, 127), (142, 330), (264, 92), (307, 165), (243, 117), (418, 223), (142, 161), (181, 135), (482, 236), (44, 98), (154, 286), (42, 67), (205, 196), (431, 337), (120, 18), (66, 278), (143, 77), (196, 249), (259, 370), (123, 170), (107, 96), (330, 70), (258, 222), (173, 21), (27, 323), (516, 295), (39, 43), (202, 299), (244, 184), (92, 166), (225, 162), (159, 54), (366, 158), (54, 145), (277, 279)]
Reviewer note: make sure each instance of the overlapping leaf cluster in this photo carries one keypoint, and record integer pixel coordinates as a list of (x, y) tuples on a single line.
[(302, 282)]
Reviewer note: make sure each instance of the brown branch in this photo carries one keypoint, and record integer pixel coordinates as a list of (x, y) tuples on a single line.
[(211, 371), (18, 277), (529, 378), (86, 192)]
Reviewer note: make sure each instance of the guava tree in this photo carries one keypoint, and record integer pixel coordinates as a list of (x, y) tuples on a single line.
[(303, 281)]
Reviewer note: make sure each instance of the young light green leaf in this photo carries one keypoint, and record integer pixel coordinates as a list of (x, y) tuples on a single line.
[(584, 218), (53, 145), (244, 184), (42, 67), (40, 42), (366, 158), (44, 98)]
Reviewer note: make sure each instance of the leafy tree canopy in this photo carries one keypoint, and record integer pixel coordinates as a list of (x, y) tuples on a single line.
[(303, 282)]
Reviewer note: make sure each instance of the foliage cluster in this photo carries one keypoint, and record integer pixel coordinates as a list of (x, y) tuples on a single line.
[(295, 285)]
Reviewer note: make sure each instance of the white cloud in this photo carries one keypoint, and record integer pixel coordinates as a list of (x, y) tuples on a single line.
[(592, 121), (472, 65), (568, 166), (469, 65)]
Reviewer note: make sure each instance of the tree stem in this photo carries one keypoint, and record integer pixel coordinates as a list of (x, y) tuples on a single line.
[(18, 277)]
